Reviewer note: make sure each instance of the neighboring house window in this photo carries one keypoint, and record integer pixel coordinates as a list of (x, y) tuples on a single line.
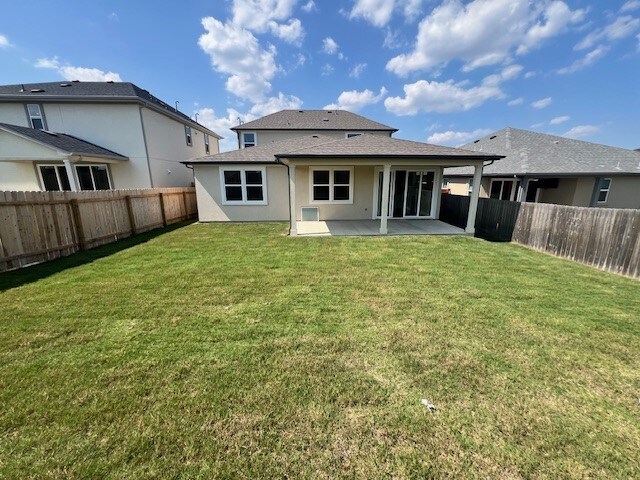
[(206, 144), (54, 178), (352, 134), (503, 189), (605, 187), (332, 185), (187, 135), (36, 118), (445, 183), (248, 139), (93, 177), (470, 186), (243, 186)]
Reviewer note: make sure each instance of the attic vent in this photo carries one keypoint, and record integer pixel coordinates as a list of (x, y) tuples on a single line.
[(65, 84), (75, 81), (37, 90), (491, 138), (329, 111), (300, 111), (476, 141), (325, 119), (109, 81), (315, 136)]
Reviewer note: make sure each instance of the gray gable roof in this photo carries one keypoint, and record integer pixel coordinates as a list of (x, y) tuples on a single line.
[(314, 120), (105, 91), (60, 141), (533, 153), (362, 146)]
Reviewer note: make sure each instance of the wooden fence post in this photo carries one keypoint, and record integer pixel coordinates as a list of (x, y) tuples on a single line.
[(184, 201), (132, 219), (77, 220), (164, 214)]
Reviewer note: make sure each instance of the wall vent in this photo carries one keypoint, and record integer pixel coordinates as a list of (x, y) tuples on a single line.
[(310, 214)]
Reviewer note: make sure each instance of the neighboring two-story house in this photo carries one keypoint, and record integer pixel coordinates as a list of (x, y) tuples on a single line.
[(549, 169), (314, 167), (95, 136)]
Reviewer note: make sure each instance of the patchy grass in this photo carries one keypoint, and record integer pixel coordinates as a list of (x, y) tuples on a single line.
[(235, 351)]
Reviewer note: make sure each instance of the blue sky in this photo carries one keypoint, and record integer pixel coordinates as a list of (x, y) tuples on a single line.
[(444, 71)]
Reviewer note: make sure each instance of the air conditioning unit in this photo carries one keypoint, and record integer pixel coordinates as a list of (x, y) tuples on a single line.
[(310, 214)]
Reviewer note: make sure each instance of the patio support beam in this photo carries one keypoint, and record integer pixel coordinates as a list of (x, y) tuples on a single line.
[(293, 229), (522, 190), (473, 202), (73, 183), (386, 178)]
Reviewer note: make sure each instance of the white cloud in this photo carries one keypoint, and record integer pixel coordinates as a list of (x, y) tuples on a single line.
[(234, 51), (507, 73), (291, 32), (330, 46), (456, 139), (588, 59), (113, 16), (441, 97), (542, 103), (84, 74), (309, 6), (621, 27), (559, 120), (392, 39), (379, 12), (357, 70), (4, 42), (483, 32), (326, 70), (354, 100), (275, 104), (262, 16), (582, 131), (530, 74), (631, 5), (515, 101)]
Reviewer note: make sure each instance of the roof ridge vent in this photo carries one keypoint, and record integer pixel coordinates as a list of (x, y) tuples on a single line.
[(65, 84), (37, 90), (75, 81)]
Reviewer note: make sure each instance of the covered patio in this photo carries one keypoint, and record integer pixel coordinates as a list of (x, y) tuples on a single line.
[(332, 228)]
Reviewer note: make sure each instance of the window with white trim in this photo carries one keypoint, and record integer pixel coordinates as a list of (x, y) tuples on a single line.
[(187, 135), (54, 178), (503, 189), (206, 144), (603, 190), (36, 118), (249, 139), (243, 186), (470, 189), (93, 177), (331, 185), (352, 134)]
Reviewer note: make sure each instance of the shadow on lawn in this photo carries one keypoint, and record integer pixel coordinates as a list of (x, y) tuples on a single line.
[(22, 276)]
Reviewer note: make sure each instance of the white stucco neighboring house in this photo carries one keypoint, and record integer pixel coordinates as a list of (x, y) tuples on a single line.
[(147, 138), (321, 166)]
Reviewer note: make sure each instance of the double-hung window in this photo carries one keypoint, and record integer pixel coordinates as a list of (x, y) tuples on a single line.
[(54, 178), (248, 139), (603, 190), (36, 118), (206, 144), (93, 177), (187, 135), (243, 186), (332, 185)]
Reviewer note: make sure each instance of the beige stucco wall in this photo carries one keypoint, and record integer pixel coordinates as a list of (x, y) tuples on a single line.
[(458, 186), (264, 137), (624, 193), (563, 195), (209, 196)]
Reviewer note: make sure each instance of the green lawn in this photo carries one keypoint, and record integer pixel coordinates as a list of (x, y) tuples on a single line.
[(235, 351)]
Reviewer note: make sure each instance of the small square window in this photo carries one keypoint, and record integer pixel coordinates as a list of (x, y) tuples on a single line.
[(232, 177), (321, 192), (341, 177), (248, 140), (341, 192), (321, 177), (254, 194), (234, 194), (253, 177)]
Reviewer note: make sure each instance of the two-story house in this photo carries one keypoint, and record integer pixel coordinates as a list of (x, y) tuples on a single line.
[(95, 136)]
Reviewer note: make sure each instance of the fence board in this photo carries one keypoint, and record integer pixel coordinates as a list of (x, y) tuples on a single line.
[(40, 226)]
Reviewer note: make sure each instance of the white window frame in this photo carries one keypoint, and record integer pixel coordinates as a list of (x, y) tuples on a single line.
[(331, 185), (601, 189), (437, 177), (445, 183), (207, 148), (41, 116), (56, 165), (503, 180), (352, 134), (93, 180), (243, 185), (243, 143), (188, 136)]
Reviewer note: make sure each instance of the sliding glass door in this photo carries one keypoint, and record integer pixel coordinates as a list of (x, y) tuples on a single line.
[(411, 194)]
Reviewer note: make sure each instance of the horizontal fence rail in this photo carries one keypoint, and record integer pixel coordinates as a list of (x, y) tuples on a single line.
[(606, 238), (40, 226)]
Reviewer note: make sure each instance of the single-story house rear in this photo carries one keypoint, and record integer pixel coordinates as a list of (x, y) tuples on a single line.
[(320, 178)]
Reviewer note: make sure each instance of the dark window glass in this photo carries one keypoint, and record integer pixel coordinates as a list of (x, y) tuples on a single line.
[(506, 191), (341, 177), (84, 177), (495, 189), (206, 143), (321, 192), (606, 184), (187, 134), (321, 177), (253, 177), (341, 192), (64, 179), (100, 177), (602, 196), (232, 177), (249, 138), (49, 179), (233, 193), (350, 135), (37, 123), (254, 194)]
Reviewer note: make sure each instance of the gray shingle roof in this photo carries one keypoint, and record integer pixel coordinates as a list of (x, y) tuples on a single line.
[(61, 141), (362, 146), (315, 120), (541, 154), (94, 90)]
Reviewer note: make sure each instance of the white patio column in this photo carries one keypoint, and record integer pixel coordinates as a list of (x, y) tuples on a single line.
[(293, 230), (473, 202), (73, 182), (522, 191), (384, 213)]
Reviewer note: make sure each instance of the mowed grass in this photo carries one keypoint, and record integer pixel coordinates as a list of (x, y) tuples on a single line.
[(234, 351)]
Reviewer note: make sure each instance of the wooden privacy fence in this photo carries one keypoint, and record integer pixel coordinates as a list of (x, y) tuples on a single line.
[(40, 226), (606, 238)]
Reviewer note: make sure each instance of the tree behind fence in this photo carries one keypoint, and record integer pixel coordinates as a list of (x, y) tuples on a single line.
[(40, 226), (605, 238)]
